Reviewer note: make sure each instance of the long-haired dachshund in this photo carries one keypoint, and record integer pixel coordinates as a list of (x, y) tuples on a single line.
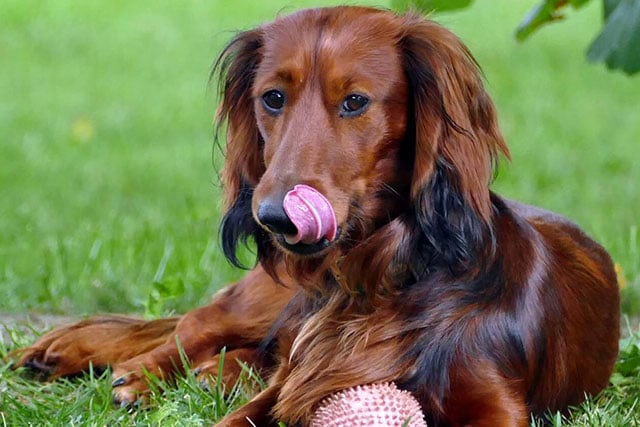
[(360, 148)]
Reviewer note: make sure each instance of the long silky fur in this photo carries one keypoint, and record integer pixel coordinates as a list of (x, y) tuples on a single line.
[(445, 228), (433, 277), (235, 70)]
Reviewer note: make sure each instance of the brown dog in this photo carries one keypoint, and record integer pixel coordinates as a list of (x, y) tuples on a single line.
[(359, 155)]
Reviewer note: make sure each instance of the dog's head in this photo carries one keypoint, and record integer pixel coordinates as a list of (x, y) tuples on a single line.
[(353, 135)]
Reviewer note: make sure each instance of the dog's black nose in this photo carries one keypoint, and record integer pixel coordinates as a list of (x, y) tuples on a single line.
[(271, 214)]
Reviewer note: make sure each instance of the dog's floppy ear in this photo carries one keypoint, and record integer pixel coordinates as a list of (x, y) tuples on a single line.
[(236, 68), (457, 139)]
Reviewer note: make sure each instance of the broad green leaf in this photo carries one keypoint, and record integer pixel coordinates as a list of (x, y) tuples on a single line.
[(629, 361), (618, 379), (545, 12), (618, 45), (428, 6), (162, 292), (541, 14), (609, 6)]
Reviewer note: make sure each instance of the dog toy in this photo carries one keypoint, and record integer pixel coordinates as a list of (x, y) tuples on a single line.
[(373, 405)]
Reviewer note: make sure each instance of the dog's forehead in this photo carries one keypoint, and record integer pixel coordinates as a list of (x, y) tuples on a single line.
[(341, 43)]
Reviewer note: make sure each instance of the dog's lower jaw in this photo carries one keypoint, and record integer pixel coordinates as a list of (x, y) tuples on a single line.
[(307, 250)]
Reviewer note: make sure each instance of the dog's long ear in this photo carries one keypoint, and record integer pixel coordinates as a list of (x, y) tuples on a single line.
[(235, 68), (457, 139)]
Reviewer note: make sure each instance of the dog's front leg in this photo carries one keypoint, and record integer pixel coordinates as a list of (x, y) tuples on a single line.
[(257, 412), (238, 318)]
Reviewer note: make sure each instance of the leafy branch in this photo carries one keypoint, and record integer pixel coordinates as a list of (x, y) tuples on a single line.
[(617, 44)]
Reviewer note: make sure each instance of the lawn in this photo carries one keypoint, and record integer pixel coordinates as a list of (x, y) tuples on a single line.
[(109, 198)]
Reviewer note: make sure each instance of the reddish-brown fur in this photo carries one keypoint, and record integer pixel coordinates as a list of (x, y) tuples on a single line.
[(487, 310)]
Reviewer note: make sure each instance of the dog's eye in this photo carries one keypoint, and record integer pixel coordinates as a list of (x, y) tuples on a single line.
[(353, 105), (273, 100)]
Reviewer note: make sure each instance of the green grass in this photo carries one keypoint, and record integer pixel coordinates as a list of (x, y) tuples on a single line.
[(108, 191), (86, 401)]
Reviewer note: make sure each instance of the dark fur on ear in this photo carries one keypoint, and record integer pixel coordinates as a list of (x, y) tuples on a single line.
[(238, 226), (236, 68), (457, 142)]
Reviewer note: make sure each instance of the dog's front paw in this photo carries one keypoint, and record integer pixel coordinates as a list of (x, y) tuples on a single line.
[(41, 363), (130, 385), (98, 342), (243, 363), (69, 349)]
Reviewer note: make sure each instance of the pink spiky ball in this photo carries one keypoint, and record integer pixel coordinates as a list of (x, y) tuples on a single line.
[(373, 405)]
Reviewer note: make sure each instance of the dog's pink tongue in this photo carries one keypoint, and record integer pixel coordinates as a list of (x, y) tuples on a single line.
[(312, 215)]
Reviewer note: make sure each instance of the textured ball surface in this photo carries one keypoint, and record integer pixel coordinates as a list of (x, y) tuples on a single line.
[(373, 405)]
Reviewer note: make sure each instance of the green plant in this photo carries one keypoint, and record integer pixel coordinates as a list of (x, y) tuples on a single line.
[(617, 44)]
